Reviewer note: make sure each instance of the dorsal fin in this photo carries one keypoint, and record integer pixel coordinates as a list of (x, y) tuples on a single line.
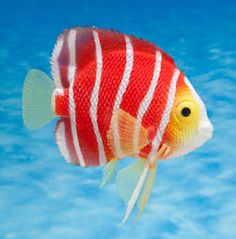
[(75, 48)]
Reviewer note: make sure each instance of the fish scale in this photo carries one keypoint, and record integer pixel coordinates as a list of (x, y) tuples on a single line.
[(116, 96), (113, 58)]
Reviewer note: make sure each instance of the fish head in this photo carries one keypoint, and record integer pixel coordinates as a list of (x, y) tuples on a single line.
[(189, 126)]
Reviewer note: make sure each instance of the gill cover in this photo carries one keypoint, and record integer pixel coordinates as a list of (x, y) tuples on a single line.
[(187, 115)]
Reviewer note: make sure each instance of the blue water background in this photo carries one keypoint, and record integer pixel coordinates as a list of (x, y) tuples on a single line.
[(43, 197)]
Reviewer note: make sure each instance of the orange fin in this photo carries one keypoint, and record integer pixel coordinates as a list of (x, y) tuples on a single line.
[(122, 130)]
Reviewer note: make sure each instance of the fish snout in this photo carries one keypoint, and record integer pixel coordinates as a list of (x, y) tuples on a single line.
[(206, 129)]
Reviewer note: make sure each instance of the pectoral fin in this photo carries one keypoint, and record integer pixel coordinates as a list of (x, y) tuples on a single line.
[(121, 134)]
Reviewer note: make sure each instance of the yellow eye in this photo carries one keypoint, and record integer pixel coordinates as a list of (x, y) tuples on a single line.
[(187, 112)]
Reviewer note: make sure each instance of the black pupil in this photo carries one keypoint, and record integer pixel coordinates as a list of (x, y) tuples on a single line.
[(186, 111)]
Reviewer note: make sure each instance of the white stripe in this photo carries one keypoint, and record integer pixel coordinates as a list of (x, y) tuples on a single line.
[(165, 116), (71, 42), (147, 100), (55, 64), (56, 92), (136, 192), (94, 99), (121, 91), (61, 141), (73, 126), (72, 104), (196, 97)]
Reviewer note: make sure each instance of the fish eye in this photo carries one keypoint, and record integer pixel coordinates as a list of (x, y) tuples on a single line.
[(186, 111)]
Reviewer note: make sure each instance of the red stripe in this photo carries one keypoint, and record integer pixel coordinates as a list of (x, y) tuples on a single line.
[(68, 140), (153, 115), (62, 103), (83, 86), (85, 48), (140, 78), (63, 61), (180, 83), (111, 78), (143, 46)]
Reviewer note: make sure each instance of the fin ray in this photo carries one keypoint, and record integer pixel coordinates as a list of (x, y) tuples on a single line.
[(109, 171), (136, 191), (37, 94), (148, 187), (126, 128), (127, 179)]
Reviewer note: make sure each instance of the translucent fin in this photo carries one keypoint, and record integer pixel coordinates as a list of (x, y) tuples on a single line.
[(109, 171), (122, 127), (37, 93), (127, 180), (130, 182), (146, 191), (135, 193)]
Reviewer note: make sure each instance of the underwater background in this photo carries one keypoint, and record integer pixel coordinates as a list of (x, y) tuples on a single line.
[(43, 197)]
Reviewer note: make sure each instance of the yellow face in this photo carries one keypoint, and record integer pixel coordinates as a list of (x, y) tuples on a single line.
[(184, 132)]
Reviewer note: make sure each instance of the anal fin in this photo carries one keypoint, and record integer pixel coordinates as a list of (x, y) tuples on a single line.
[(64, 141)]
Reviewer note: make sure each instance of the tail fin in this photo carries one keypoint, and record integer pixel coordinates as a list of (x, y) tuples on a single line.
[(37, 93)]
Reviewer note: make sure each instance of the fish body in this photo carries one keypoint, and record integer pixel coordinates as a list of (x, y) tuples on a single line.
[(119, 96)]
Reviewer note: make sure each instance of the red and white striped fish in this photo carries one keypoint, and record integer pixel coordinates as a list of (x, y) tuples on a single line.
[(116, 96)]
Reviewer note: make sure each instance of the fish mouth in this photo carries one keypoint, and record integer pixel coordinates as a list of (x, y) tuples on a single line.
[(206, 130)]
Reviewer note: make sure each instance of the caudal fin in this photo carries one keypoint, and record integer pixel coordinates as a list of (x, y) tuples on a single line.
[(37, 94)]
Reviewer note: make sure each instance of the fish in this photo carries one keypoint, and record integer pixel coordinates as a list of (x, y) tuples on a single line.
[(116, 96)]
